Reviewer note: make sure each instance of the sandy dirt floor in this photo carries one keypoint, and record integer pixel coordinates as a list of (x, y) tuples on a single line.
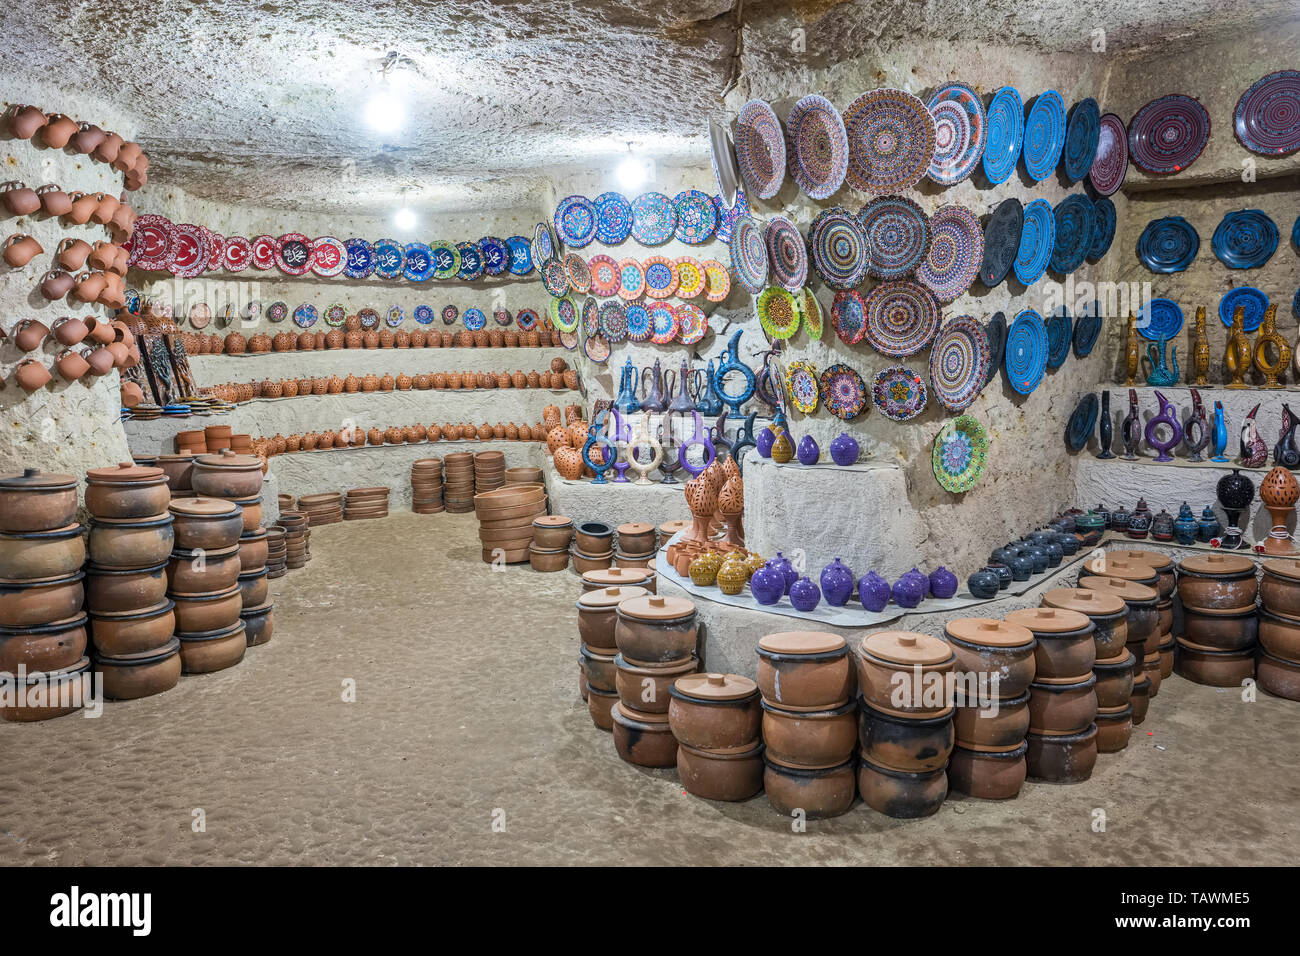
[(467, 710)]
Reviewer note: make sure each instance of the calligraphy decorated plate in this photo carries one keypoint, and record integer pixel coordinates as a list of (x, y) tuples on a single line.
[(786, 253), (521, 255), (590, 316), (579, 275), (369, 318), (1006, 114), (450, 314), (1168, 134), (996, 330), (692, 323), (526, 319), (810, 312), (816, 146), (1044, 135), (1245, 239), (1267, 117), (336, 315), (891, 140), (653, 219), (1074, 222), (898, 235), (293, 253), (1082, 423), (263, 250), (304, 316), (1025, 359), (1001, 241), (423, 314), (596, 347), (760, 148), (1110, 162), (555, 278), (496, 255), (691, 278), (543, 244), (959, 362), (396, 315), (1081, 135), (663, 323), (749, 255), (605, 280), (661, 278), (152, 238), (638, 322), (565, 314), (961, 129), (717, 280), (575, 221), (417, 262), (631, 279), (849, 316), (613, 322), (840, 252), (329, 256), (446, 259), (1251, 300), (899, 393), (238, 253), (955, 253), (471, 261), (1160, 319), (277, 311), (613, 218), (1103, 229), (902, 318), (777, 312), (801, 384), (390, 259), (843, 392), (722, 156), (697, 219), (1059, 332), (1037, 236), (960, 454), (360, 263), (1168, 245)]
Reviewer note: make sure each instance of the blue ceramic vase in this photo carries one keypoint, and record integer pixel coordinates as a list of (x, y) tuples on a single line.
[(873, 591), (804, 595), (809, 453), (767, 584), (943, 583), (907, 591), (844, 450), (837, 583)]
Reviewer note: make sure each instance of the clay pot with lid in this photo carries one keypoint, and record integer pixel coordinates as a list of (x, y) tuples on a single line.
[(203, 652), (1279, 635), (643, 739), (817, 793), (59, 690), (597, 616), (720, 776), (206, 570), (142, 674), (905, 743), (1142, 608), (648, 688), (206, 523), (901, 794), (1065, 758), (127, 491), (177, 468), (993, 650), (600, 705), (636, 537), (133, 631), (1279, 586), (886, 654), (599, 578), (37, 501), (43, 647), (1108, 613), (1065, 649), (227, 475), (805, 670), (1114, 729), (1114, 684), (654, 630), (1162, 564), (29, 555), (552, 532), (715, 712), (40, 601), (1221, 629), (259, 623), (253, 587), (1122, 568), (996, 726), (988, 775), (599, 670), (199, 612), (124, 589), (1217, 581), (131, 542), (1062, 707), (809, 739)]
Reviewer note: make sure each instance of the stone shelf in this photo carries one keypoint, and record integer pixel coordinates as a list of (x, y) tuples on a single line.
[(617, 502), (274, 277), (214, 369)]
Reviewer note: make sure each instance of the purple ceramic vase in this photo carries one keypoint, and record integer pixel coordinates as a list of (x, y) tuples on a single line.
[(767, 584), (943, 583), (809, 453), (907, 591), (844, 450), (873, 590), (837, 583), (804, 595), (763, 443), (782, 563)]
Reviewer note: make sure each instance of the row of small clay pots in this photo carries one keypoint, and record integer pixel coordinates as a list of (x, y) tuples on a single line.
[(72, 255), (399, 434), (114, 347), (423, 381), (235, 343), (58, 131)]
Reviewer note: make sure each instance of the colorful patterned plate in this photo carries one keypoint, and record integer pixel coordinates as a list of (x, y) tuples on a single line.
[(961, 130), (956, 251), (959, 362), (843, 392), (1168, 134), (496, 255), (653, 219), (1245, 239), (749, 255), (1082, 423), (840, 252), (417, 263), (697, 219), (1110, 162), (151, 243), (360, 261), (1103, 231), (1044, 135), (849, 316), (502, 317), (777, 313), (526, 319), (1081, 135), (717, 280), (1249, 298), (1025, 358), (555, 278), (304, 316), (1267, 117), (891, 140), (787, 254), (597, 349), (543, 245), (817, 146), (1006, 134), (660, 277), (801, 384), (613, 218), (902, 318), (590, 316), (397, 315), (663, 323), (1168, 245), (899, 393), (692, 323), (1073, 223), (579, 275), (898, 235), (329, 256), (446, 258), (390, 259), (423, 314), (960, 454), (631, 278), (336, 315), (613, 322), (450, 314), (1160, 318), (521, 255), (564, 314), (727, 215), (277, 311), (760, 149), (691, 278), (575, 221), (638, 322), (570, 340), (810, 311), (1037, 236), (471, 261), (604, 273), (474, 319), (293, 253)]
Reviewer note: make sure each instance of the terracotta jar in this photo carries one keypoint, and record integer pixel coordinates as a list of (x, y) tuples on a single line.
[(817, 793), (647, 688), (905, 743), (1114, 684), (127, 491), (999, 726), (1064, 758), (988, 775), (1279, 635), (1065, 649), (28, 555), (1062, 707), (812, 738), (43, 647), (117, 589), (1121, 568), (600, 578), (636, 537), (1114, 729), (1225, 629), (597, 616), (370, 339), (600, 705), (142, 674), (599, 670), (885, 654), (1142, 608), (1217, 580), (996, 657), (720, 776), (253, 549), (133, 631), (227, 475), (805, 670), (1108, 613), (259, 623), (235, 343), (213, 650), (594, 537), (130, 542), (715, 712), (552, 532), (216, 571), (643, 739), (386, 338), (177, 468), (1279, 587), (56, 688), (1162, 564), (900, 794), (37, 501), (207, 611), (655, 630), (1140, 699)]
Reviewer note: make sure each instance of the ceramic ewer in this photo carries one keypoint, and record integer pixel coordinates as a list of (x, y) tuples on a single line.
[(700, 439), (1220, 433), (707, 401), (1269, 336), (1196, 429), (1162, 374), (1237, 357), (643, 438), (729, 364), (1166, 416), (621, 433), (1130, 429), (1105, 428), (609, 450), (1285, 452)]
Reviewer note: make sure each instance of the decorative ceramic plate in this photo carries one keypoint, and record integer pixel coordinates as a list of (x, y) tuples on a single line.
[(252, 311), (471, 261), (843, 392), (502, 317), (955, 253), (423, 314), (597, 349), (604, 274), (590, 316), (1160, 319), (786, 253), (1074, 222), (613, 218), (526, 319), (961, 128), (151, 242), (390, 259), (575, 221), (1025, 358), (564, 314), (200, 315), (1110, 162), (898, 235), (450, 314), (697, 219), (692, 323), (521, 256), (1081, 135), (1267, 118), (613, 322), (839, 248), (543, 245), (891, 140), (1082, 423), (722, 155), (1001, 241), (996, 330), (849, 316), (1044, 135), (1059, 331), (959, 362), (579, 275), (1168, 245), (691, 279), (1037, 236), (960, 454), (717, 280), (1103, 228), (216, 249), (631, 279), (638, 322), (336, 315), (810, 312), (277, 311), (660, 277), (1006, 133), (663, 323), (293, 253), (653, 219), (777, 312), (369, 318), (802, 386), (187, 255), (496, 255), (555, 278), (304, 316), (817, 146), (760, 149), (237, 254), (1245, 239), (1167, 134), (329, 256), (749, 255), (263, 250), (1087, 327), (727, 216), (570, 340), (446, 258), (1253, 301), (396, 315), (899, 393), (902, 318), (417, 262)]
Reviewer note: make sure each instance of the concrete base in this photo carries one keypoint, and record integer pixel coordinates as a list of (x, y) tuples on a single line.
[(615, 502)]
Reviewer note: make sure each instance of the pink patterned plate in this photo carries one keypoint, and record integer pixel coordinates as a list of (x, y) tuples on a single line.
[(663, 323), (849, 316), (264, 252), (717, 280), (151, 242), (692, 323), (575, 267), (660, 277), (238, 254), (293, 253), (631, 279), (605, 279), (329, 256)]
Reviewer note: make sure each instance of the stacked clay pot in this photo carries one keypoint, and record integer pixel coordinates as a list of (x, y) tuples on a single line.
[(321, 509), (1278, 664), (42, 624), (276, 551), (1167, 588), (808, 683), (505, 521), (620, 577), (364, 503), (297, 538), (459, 487), (597, 617), (1140, 567), (489, 471), (996, 662), (552, 535), (655, 637), (426, 486), (132, 617), (715, 719), (593, 546), (203, 581), (637, 543), (1220, 623), (1142, 633)]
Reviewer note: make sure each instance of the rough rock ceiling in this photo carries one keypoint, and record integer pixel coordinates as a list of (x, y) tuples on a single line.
[(263, 103)]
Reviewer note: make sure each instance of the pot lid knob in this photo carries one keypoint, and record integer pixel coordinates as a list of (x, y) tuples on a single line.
[(717, 680), (31, 472), (657, 602), (987, 626), (126, 464), (907, 640), (1049, 612), (1085, 594)]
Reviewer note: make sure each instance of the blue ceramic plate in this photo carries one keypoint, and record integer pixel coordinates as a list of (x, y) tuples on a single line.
[(1103, 232), (996, 330), (417, 263), (423, 314), (390, 259), (1168, 245), (474, 319), (613, 218), (1074, 223), (1059, 330), (1245, 239), (961, 129), (1295, 304), (1037, 236), (395, 317), (1295, 233), (471, 261), (1082, 423), (1160, 318), (521, 256), (496, 255), (697, 219), (446, 259), (1026, 353), (575, 221), (361, 259), (304, 316), (1044, 135), (638, 322), (1081, 135), (543, 246), (1251, 299), (1006, 114), (1001, 241), (653, 219), (1087, 328)]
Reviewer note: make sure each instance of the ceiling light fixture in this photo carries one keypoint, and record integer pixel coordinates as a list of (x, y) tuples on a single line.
[(631, 171), (386, 110), (404, 219)]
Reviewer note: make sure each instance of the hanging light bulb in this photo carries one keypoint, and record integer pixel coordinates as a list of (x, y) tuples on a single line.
[(404, 219), (631, 171), (385, 112)]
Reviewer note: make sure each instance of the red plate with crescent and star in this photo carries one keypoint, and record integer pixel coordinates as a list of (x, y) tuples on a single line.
[(216, 249), (264, 252), (151, 242), (188, 255), (238, 254)]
